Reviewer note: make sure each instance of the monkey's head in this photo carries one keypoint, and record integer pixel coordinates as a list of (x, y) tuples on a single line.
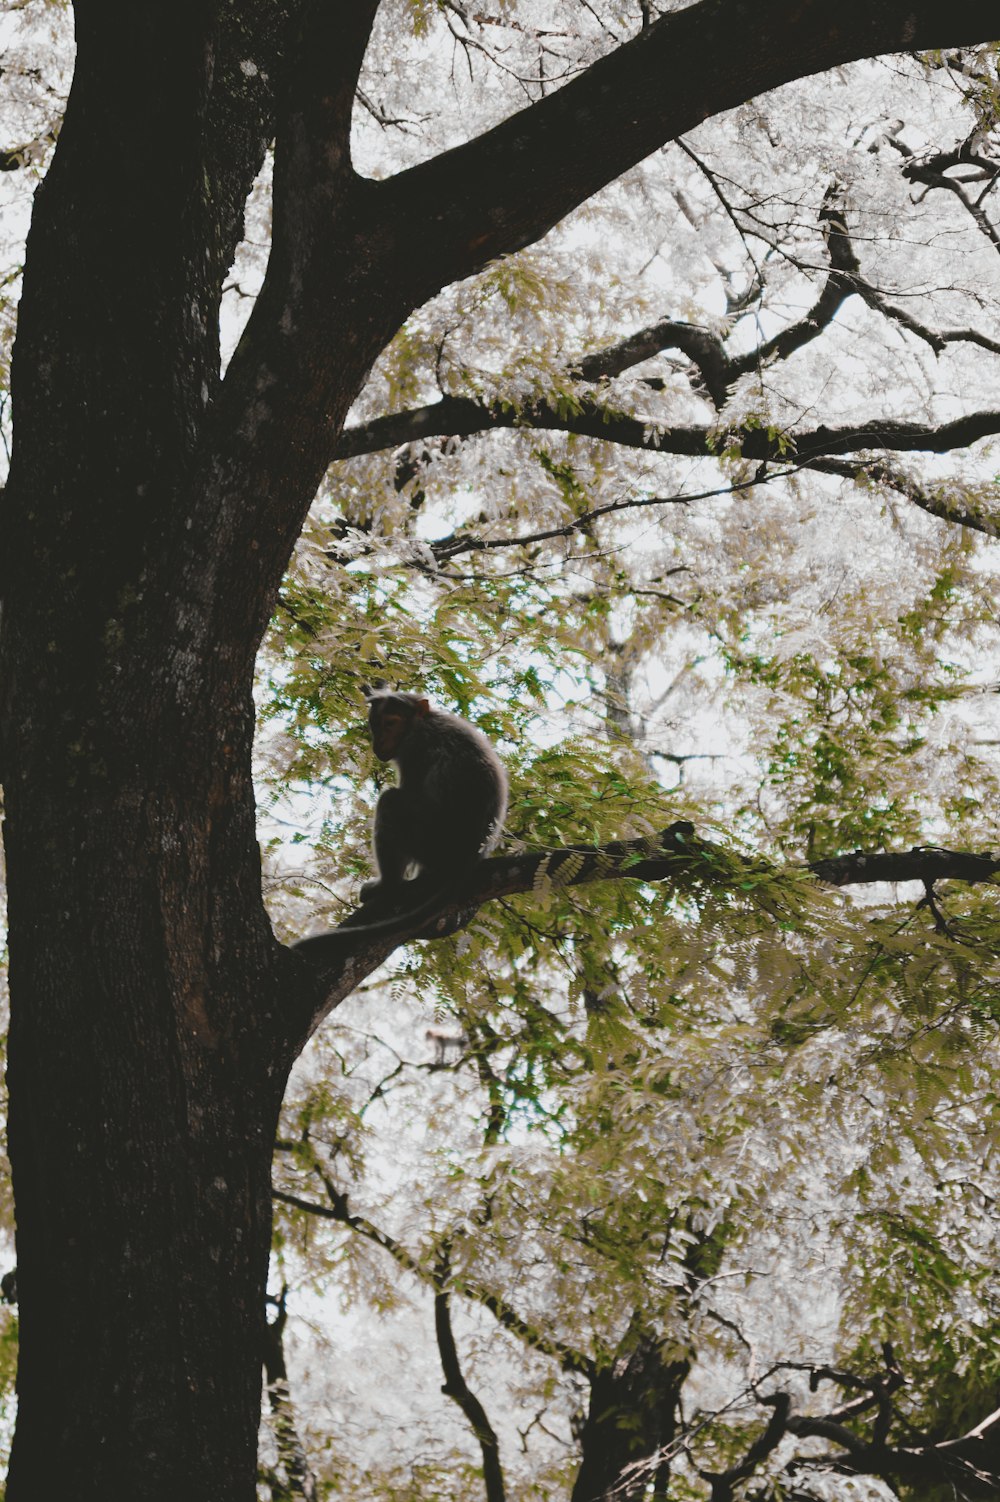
[(390, 717)]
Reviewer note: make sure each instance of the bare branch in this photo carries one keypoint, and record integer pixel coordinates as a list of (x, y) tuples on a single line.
[(926, 863), (459, 416), (336, 1208), (934, 170), (841, 282), (456, 1387)]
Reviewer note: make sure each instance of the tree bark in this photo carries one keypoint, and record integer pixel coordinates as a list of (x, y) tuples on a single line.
[(150, 512), (631, 1420), (144, 1087)]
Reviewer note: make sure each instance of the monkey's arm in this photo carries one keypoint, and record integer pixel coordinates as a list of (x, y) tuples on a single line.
[(391, 844)]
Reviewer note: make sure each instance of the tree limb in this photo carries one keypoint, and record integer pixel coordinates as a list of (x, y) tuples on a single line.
[(337, 1209), (506, 188), (338, 960), (948, 505), (459, 416), (276, 424), (725, 1483), (970, 1464), (701, 346), (926, 863), (456, 1387)]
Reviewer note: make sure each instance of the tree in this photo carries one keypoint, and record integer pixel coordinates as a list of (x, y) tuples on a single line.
[(150, 512)]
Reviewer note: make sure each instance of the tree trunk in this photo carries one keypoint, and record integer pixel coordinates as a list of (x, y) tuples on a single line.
[(631, 1421), (145, 1063)]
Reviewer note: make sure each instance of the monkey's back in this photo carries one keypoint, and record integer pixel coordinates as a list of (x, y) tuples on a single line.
[(457, 791)]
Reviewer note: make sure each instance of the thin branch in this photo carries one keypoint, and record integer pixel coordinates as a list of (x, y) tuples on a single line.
[(456, 1387), (460, 416), (469, 542), (300, 1481), (948, 506), (337, 1209)]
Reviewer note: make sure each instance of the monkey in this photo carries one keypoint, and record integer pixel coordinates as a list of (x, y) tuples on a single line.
[(445, 813), (448, 808), (443, 1039)]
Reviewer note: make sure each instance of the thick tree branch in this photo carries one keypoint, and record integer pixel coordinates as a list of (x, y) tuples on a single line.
[(325, 310), (322, 316), (459, 417), (716, 374), (312, 167), (701, 346), (926, 863), (970, 1464), (724, 1483), (504, 189), (338, 960)]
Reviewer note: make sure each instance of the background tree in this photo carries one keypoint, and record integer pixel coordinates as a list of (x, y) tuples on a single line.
[(150, 512)]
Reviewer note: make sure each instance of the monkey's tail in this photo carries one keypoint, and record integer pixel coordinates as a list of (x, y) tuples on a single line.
[(431, 904)]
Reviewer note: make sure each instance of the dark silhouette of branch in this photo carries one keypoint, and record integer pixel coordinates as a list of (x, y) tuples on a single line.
[(336, 961), (954, 507), (505, 188), (701, 346), (337, 1209), (299, 1481), (933, 172), (842, 280), (969, 1465), (456, 1387), (460, 416), (926, 863), (725, 1483)]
